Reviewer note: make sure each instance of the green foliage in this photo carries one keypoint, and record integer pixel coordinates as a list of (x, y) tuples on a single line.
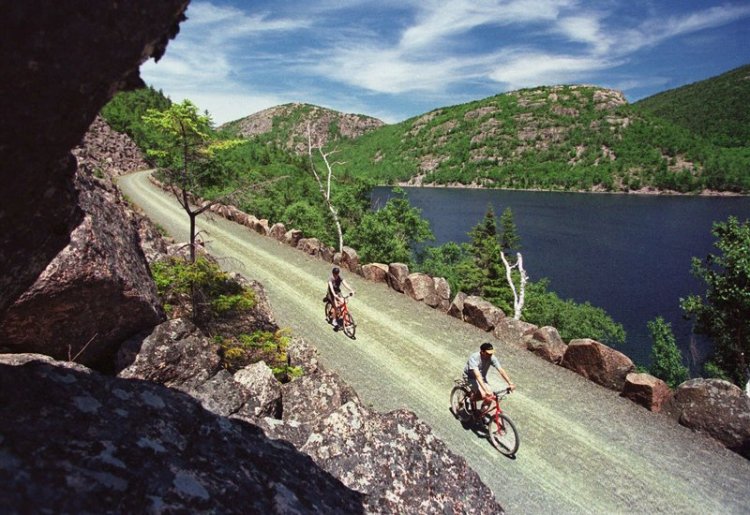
[(509, 240), (270, 347), (717, 108), (453, 262), (389, 234), (722, 312), (572, 320), (666, 358), (178, 281), (124, 113)]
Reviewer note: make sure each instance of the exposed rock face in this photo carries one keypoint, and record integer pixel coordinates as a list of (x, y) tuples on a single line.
[(397, 274), (715, 407), (277, 231), (108, 151), (547, 343), (94, 294), (144, 448), (481, 313), (310, 246), (443, 292), (347, 258), (456, 308), (376, 272), (419, 286), (320, 120), (646, 390), (515, 332), (66, 60), (175, 354), (597, 362), (292, 237), (398, 462)]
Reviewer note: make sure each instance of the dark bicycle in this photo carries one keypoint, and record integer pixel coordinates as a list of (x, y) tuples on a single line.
[(346, 320), (501, 431)]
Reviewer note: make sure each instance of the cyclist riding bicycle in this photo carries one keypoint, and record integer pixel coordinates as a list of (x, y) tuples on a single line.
[(475, 372), (333, 295)]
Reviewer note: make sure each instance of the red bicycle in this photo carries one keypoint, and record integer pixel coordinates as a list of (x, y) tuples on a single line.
[(346, 320), (501, 431)]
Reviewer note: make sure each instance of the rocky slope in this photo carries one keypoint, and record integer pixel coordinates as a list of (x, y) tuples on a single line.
[(288, 125), (66, 61), (104, 151)]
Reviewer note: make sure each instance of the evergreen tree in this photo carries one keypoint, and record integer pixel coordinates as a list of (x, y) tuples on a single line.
[(390, 234), (722, 313), (509, 239), (665, 356)]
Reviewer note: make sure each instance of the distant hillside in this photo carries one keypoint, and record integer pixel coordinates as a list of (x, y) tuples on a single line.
[(717, 108), (287, 125), (553, 138)]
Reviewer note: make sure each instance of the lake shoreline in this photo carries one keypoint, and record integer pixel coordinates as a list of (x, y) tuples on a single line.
[(642, 191)]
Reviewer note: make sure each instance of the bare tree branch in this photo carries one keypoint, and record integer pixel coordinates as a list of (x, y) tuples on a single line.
[(325, 191)]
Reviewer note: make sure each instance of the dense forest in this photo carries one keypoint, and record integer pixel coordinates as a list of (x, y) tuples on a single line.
[(716, 109), (556, 138)]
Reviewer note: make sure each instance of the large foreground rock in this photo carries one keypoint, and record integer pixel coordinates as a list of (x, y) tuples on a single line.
[(481, 313), (94, 294), (547, 343), (398, 462), (597, 362), (80, 442), (715, 407), (62, 61), (648, 391)]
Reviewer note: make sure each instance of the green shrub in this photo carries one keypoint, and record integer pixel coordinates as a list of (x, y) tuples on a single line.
[(269, 347), (201, 284)]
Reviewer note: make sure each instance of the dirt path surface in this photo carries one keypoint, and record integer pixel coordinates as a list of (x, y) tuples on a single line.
[(583, 448)]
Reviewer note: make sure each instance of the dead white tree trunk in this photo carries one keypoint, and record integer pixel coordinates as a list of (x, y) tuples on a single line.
[(325, 190), (518, 296)]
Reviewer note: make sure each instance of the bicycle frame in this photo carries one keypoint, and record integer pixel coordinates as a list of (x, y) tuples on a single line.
[(493, 408)]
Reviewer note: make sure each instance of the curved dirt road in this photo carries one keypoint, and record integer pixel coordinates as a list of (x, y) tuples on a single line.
[(583, 448)]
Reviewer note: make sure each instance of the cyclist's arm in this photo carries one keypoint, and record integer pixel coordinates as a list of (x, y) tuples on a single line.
[(506, 378), (484, 388), (346, 284)]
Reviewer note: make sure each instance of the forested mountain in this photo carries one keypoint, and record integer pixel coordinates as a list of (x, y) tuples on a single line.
[(717, 108), (287, 125), (556, 138)]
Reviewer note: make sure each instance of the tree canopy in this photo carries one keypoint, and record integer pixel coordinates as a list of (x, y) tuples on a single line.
[(723, 311)]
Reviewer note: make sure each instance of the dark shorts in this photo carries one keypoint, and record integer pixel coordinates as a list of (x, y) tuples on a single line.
[(473, 382)]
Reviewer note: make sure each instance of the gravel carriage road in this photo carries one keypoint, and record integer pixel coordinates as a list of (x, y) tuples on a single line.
[(583, 448)]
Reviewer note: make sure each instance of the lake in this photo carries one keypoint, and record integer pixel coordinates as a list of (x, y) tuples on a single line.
[(628, 254)]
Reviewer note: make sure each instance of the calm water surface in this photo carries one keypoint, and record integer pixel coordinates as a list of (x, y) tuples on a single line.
[(629, 254)]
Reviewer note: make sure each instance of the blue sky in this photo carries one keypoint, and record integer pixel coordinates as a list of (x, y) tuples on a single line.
[(394, 59)]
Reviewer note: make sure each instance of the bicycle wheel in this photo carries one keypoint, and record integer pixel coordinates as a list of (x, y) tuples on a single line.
[(459, 400), (503, 435), (328, 309), (349, 326)]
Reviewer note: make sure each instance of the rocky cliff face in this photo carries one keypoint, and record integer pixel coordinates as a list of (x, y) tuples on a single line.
[(80, 442), (107, 152), (63, 61), (291, 121), (94, 294)]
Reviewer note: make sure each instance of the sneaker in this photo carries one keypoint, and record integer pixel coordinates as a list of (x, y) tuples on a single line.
[(336, 328)]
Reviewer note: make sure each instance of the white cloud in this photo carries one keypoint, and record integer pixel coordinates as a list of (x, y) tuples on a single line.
[(528, 69), (225, 58)]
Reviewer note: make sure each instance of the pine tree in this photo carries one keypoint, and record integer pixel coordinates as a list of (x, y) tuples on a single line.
[(509, 239), (665, 356)]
